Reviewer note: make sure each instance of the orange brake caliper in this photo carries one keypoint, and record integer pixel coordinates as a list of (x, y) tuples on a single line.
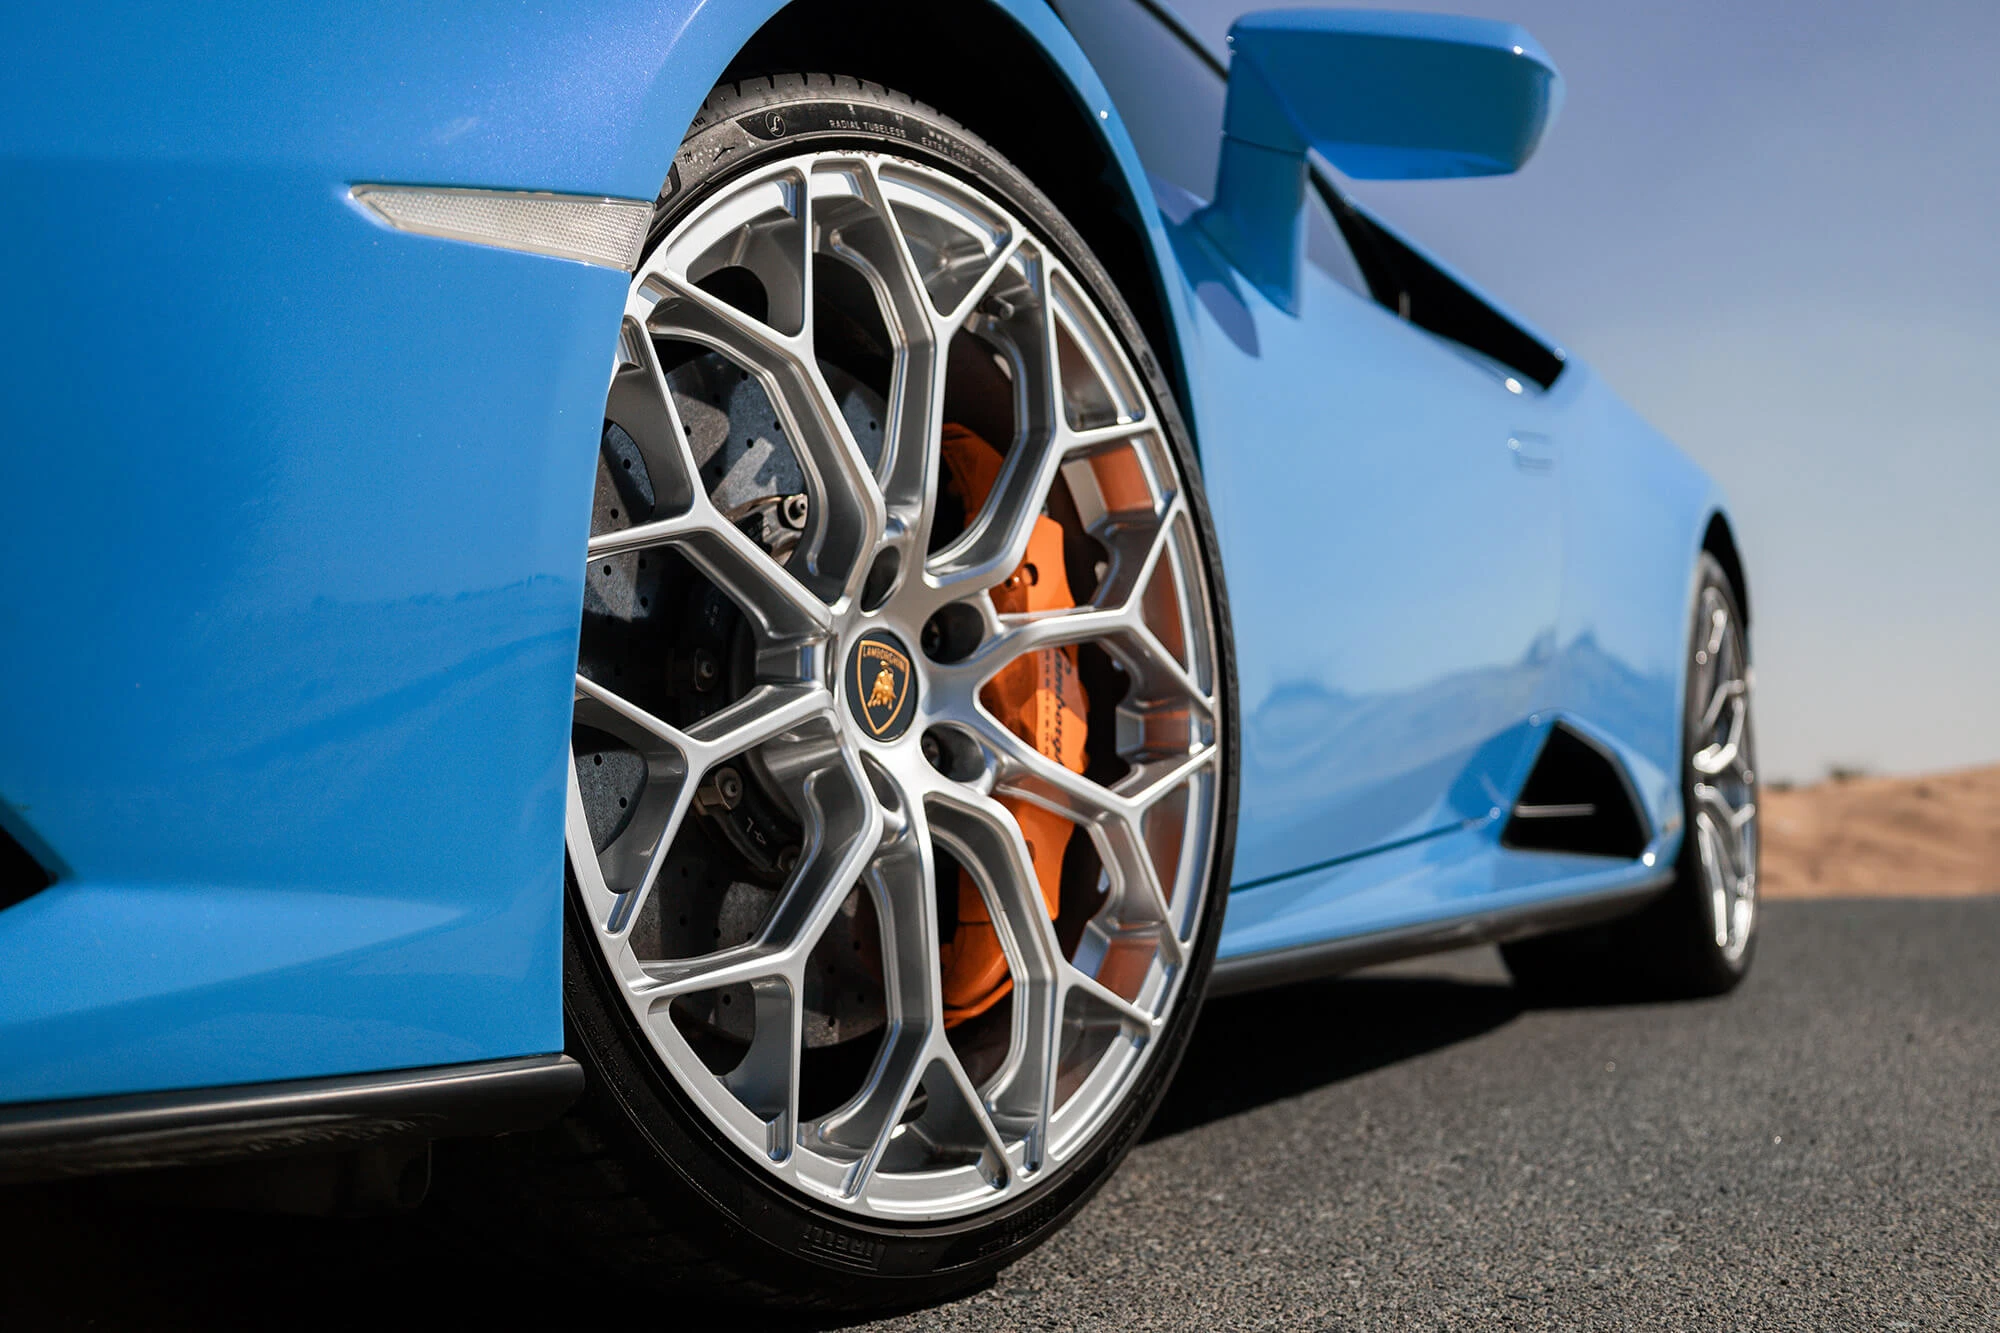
[(1039, 698)]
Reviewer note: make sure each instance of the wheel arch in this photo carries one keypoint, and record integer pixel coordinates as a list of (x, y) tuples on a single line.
[(1719, 541), (1058, 127)]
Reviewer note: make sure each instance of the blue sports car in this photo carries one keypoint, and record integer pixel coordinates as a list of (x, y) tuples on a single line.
[(714, 597)]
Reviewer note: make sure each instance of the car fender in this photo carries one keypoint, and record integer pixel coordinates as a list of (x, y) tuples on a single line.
[(296, 513)]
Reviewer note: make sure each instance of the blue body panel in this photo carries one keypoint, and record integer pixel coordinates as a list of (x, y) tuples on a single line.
[(1395, 573), (293, 524), (1416, 602), (294, 511)]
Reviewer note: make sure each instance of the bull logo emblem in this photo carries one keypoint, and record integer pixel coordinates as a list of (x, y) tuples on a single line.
[(884, 693), (879, 687)]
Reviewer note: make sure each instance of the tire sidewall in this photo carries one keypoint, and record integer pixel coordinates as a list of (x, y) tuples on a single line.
[(686, 1159)]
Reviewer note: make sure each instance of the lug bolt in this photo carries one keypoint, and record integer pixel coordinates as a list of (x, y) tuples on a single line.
[(722, 792), (933, 752)]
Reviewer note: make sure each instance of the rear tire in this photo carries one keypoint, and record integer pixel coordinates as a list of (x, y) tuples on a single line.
[(1674, 948)]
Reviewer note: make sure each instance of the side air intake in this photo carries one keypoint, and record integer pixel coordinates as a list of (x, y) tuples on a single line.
[(21, 875), (1576, 799)]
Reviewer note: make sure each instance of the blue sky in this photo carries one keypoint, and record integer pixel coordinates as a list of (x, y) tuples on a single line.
[(1773, 228)]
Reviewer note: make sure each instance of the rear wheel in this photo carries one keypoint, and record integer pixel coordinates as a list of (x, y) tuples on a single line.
[(902, 772), (1698, 937)]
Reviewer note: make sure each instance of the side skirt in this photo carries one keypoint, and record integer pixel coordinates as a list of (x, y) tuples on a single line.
[(53, 1140), (1276, 967)]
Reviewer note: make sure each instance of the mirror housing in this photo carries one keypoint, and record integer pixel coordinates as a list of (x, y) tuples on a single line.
[(1383, 96)]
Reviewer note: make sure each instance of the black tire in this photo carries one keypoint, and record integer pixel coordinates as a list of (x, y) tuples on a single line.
[(1667, 950), (635, 1178)]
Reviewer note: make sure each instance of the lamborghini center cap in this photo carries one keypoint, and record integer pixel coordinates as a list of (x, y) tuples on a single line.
[(881, 688)]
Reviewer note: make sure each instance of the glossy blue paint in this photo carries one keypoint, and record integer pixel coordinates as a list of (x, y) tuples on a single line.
[(294, 517), (1388, 95), (1395, 573), (1382, 95), (293, 528), (1430, 561), (295, 508), (1370, 839), (1462, 872)]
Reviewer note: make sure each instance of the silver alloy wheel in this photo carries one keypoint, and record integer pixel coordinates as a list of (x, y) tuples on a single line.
[(1725, 781), (852, 561)]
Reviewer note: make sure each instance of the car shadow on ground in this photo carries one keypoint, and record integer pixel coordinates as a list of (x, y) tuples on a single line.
[(92, 1255), (1250, 1050)]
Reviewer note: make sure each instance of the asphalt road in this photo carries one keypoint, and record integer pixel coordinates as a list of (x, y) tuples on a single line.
[(1406, 1148)]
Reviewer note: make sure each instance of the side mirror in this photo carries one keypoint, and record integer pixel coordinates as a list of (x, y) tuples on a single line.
[(1383, 96)]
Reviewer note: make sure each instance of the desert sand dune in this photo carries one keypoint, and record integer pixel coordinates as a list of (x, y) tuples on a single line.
[(1936, 836)]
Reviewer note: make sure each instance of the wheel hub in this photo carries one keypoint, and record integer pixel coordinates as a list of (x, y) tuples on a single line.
[(880, 686)]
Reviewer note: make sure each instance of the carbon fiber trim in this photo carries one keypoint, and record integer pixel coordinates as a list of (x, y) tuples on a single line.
[(51, 1140)]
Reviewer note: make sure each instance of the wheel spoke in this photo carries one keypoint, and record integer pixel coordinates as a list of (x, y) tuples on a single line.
[(858, 222), (1725, 824), (1117, 620), (1141, 894), (845, 516), (915, 408), (743, 964), (956, 1117), (1144, 788), (870, 1122), (983, 284), (650, 836), (1046, 629), (782, 608), (1725, 694), (899, 881), (767, 1079), (904, 872), (985, 838), (760, 716), (1027, 772), (843, 828), (1131, 1015), (642, 405), (846, 506), (997, 538), (765, 713), (609, 711), (1718, 880)]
